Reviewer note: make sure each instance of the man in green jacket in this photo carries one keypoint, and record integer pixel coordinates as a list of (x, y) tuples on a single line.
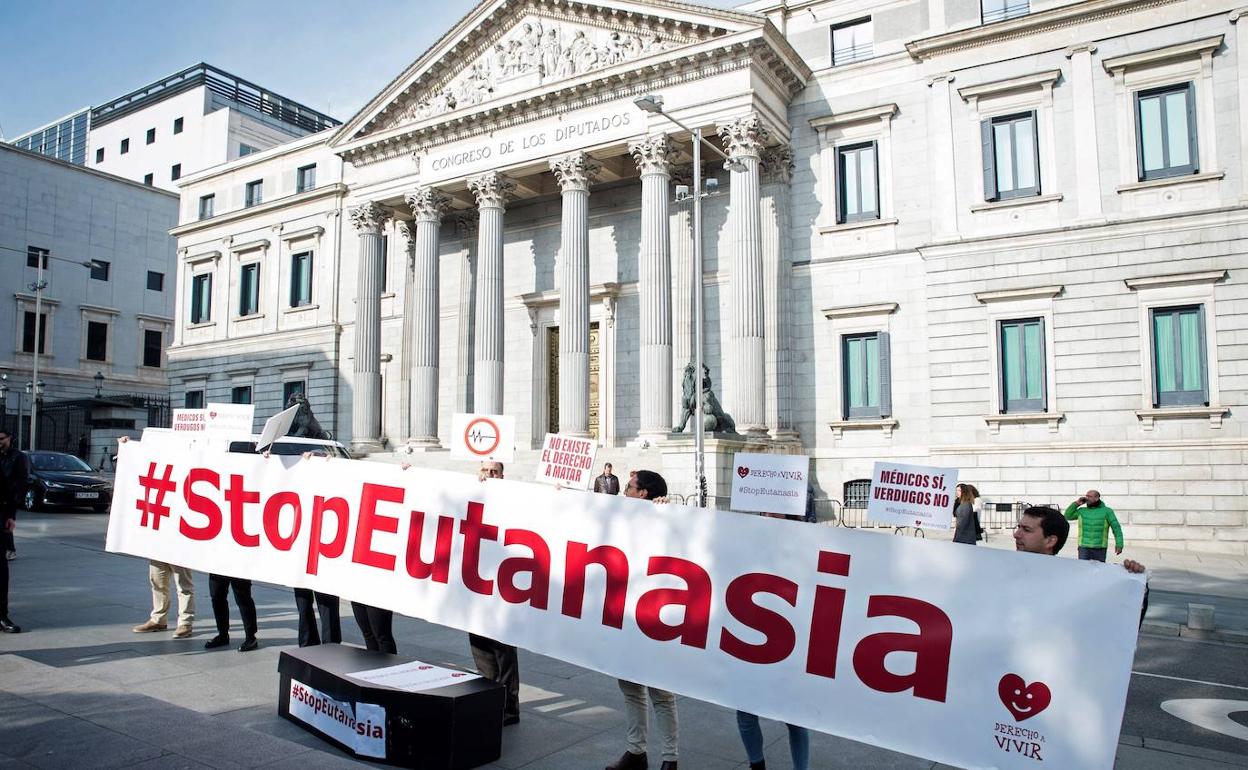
[(1095, 520)]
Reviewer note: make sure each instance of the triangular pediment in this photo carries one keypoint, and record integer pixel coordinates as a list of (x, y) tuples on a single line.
[(504, 48)]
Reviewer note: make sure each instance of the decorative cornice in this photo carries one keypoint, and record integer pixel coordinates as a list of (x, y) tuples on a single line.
[(491, 189), (574, 171), (744, 137), (370, 217), (777, 165), (1190, 49), (428, 204), (1028, 25), (328, 191), (1036, 80), (259, 243), (540, 299), (841, 119), (654, 154), (856, 311), (315, 231), (1177, 279), (1014, 295)]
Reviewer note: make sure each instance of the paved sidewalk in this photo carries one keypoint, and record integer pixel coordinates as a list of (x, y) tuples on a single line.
[(79, 690)]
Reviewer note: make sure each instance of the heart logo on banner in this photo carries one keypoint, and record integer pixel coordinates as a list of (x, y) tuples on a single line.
[(1023, 700), (743, 471), (212, 415)]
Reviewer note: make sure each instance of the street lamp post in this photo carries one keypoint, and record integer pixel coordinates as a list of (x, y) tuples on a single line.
[(99, 382), (654, 104)]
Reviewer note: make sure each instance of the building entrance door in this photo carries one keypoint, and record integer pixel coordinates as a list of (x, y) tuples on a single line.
[(552, 379)]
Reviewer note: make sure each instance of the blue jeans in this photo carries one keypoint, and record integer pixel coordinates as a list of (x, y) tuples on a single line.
[(1092, 554), (752, 737)]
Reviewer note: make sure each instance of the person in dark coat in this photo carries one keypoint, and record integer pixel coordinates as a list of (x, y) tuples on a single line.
[(966, 509), (608, 483)]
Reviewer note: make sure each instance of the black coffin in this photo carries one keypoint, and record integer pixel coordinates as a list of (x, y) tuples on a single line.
[(453, 727)]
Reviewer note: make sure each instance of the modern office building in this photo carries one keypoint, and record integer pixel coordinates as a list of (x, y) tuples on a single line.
[(1005, 237), (175, 126)]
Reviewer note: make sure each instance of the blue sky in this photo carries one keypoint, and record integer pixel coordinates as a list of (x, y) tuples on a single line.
[(57, 56)]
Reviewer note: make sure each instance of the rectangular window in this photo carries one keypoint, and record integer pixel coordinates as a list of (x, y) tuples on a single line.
[(255, 193), (291, 388), (305, 178), (207, 203), (240, 394), (152, 346), (155, 281), (1000, 10), (151, 136), (194, 399), (1011, 160), (857, 188), (1021, 356), (866, 380), (97, 341), (201, 298), (175, 172), (100, 269), (125, 146), (149, 179), (301, 279), (177, 125), (851, 41), (246, 149), (28, 332), (1165, 132), (35, 256), (99, 154), (249, 289), (1180, 369)]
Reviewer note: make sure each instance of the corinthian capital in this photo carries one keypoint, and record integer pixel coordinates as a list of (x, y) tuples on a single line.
[(370, 217), (427, 203), (408, 229), (574, 171), (777, 164), (654, 154), (491, 189), (744, 137)]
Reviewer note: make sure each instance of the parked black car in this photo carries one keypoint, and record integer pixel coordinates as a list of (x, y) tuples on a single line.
[(61, 479)]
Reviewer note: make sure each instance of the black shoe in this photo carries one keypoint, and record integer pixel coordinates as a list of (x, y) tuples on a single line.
[(668, 764), (216, 641), (630, 761), (9, 627), (514, 719), (249, 644), (760, 765)]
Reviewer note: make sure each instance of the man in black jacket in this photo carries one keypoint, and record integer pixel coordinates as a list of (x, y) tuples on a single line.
[(12, 490), (608, 483)]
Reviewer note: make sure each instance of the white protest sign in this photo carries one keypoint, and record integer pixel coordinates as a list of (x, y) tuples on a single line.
[(415, 676), (883, 640), (276, 426), (770, 483), (362, 726), (567, 461), (231, 420), (912, 495), (483, 437), (190, 420)]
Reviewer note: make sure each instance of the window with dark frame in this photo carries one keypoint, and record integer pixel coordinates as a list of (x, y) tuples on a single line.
[(1011, 157), (28, 332), (35, 255), (149, 179), (207, 203), (249, 289), (97, 341), (201, 298), (1000, 10), (155, 281), (301, 279), (851, 41), (151, 136), (177, 125), (125, 146), (100, 269), (99, 154), (153, 345), (291, 388), (175, 172), (240, 394), (254, 193), (857, 493), (857, 183), (305, 178), (1180, 365), (1020, 352), (246, 149), (194, 399), (865, 374), (1165, 132)]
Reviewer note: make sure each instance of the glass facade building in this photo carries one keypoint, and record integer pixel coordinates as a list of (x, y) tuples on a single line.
[(65, 139)]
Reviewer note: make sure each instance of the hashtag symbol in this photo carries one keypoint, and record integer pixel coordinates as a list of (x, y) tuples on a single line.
[(158, 487)]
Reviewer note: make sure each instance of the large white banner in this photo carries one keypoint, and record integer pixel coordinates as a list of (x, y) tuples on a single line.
[(969, 656)]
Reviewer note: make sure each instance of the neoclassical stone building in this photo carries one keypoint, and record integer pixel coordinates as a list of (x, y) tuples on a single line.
[(1000, 236)]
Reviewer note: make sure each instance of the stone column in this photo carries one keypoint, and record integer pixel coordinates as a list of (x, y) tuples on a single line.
[(428, 205), (654, 278), (743, 140), (681, 224), (466, 229), (573, 173), (408, 230), (491, 190), (369, 219), (777, 173)]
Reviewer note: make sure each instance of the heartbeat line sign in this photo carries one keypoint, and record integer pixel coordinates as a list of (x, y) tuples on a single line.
[(483, 437)]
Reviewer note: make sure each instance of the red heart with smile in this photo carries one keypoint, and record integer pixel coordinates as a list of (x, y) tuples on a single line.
[(743, 471), (1023, 700)]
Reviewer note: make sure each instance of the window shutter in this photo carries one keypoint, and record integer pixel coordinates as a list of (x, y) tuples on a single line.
[(1044, 371), (886, 376), (1035, 157), (840, 186), (1204, 362), (875, 156), (1139, 172), (1155, 380), (990, 161), (1193, 143)]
